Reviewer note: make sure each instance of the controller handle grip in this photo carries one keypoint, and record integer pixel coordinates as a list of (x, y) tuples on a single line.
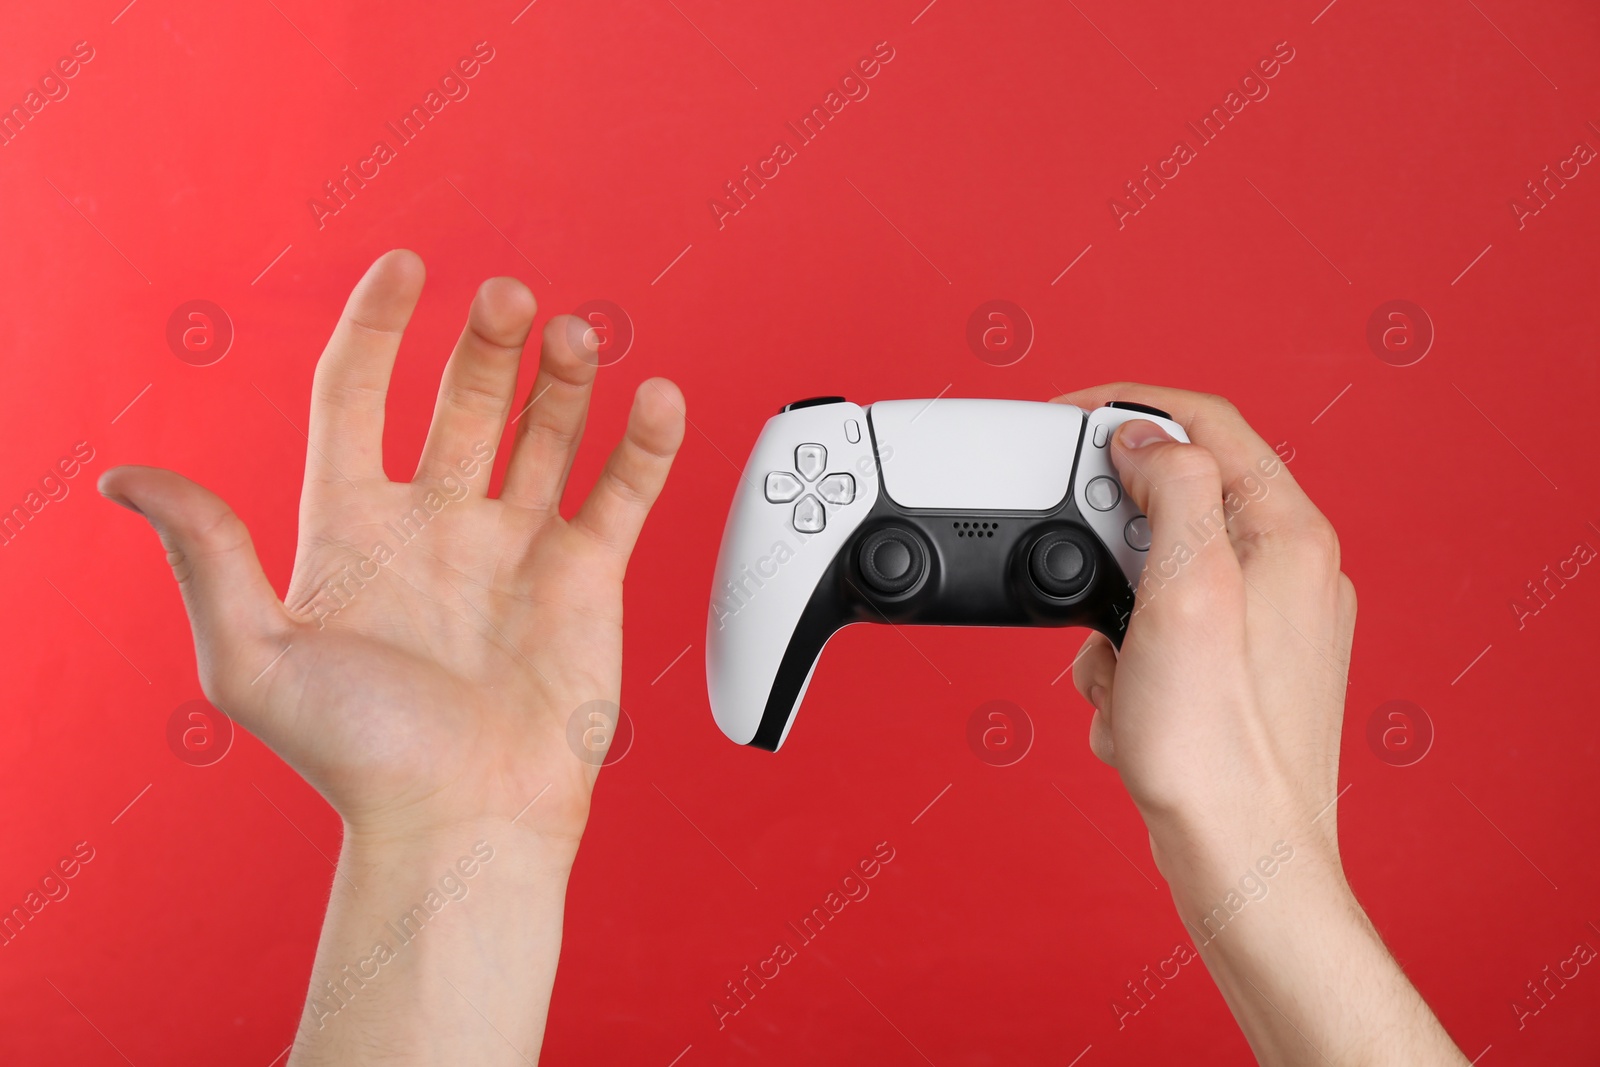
[(766, 624)]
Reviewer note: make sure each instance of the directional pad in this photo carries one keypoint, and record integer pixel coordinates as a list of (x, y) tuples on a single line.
[(810, 461), (809, 516), (782, 487), (810, 513), (837, 488)]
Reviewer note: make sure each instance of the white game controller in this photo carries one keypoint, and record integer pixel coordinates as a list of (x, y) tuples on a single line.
[(945, 512)]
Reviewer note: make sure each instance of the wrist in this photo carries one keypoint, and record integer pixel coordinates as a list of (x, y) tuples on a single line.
[(540, 824), (1217, 865), (520, 855), (427, 929)]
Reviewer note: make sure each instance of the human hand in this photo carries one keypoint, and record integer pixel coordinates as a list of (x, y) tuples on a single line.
[(1223, 710), (433, 642), (1222, 715)]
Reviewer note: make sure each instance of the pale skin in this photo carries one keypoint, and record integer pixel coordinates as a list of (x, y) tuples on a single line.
[(432, 708), (1222, 716), (429, 700)]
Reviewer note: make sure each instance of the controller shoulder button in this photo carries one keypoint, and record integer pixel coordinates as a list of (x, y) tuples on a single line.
[(1143, 409), (811, 402)]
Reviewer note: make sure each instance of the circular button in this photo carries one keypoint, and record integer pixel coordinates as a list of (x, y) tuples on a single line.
[(892, 560), (1102, 493), (1061, 563), (1137, 533)]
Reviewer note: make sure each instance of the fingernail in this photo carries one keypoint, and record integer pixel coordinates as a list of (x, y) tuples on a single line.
[(121, 502), (1097, 697), (1139, 432)]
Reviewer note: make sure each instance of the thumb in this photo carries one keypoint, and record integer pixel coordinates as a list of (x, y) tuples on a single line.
[(239, 624), (1191, 563)]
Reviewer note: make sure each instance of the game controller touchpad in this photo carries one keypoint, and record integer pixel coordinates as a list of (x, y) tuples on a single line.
[(932, 458)]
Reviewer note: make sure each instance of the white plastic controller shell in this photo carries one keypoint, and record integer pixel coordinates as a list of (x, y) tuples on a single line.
[(942, 454)]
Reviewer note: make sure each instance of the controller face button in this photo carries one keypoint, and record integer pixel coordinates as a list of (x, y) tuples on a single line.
[(1059, 565), (837, 488), (809, 516), (1103, 493), (1137, 533), (1102, 435), (782, 487), (892, 560), (852, 431), (810, 460)]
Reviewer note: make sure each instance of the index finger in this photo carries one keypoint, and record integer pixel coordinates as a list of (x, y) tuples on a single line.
[(351, 382)]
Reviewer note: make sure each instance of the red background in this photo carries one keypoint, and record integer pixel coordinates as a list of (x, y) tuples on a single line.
[(1383, 162)]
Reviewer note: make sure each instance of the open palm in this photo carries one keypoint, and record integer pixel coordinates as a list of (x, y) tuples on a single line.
[(434, 643)]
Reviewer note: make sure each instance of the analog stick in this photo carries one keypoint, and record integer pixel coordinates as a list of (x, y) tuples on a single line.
[(892, 560), (1060, 564)]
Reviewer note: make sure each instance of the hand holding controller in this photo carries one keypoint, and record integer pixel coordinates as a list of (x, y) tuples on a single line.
[(1221, 713), (945, 512)]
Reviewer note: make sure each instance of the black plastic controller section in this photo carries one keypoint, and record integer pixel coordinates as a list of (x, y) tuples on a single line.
[(811, 402), (965, 568), (1143, 409)]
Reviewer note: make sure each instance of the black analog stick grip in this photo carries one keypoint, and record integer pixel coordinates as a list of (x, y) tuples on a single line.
[(892, 560), (1061, 564)]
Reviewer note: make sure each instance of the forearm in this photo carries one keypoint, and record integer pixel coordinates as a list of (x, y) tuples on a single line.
[(1305, 973), (434, 950)]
